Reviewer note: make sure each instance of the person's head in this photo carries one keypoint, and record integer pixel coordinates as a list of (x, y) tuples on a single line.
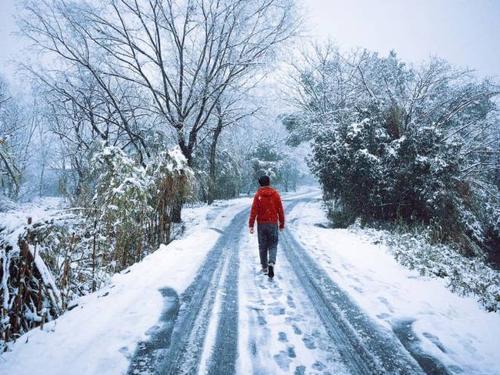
[(264, 180)]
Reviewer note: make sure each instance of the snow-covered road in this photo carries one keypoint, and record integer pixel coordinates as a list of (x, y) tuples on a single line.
[(205, 328), (233, 319), (201, 306)]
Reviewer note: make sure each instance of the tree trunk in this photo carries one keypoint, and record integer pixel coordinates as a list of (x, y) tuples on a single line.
[(42, 175), (187, 151), (212, 176), (176, 211)]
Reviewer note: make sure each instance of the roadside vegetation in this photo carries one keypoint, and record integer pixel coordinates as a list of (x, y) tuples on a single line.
[(130, 110), (412, 149)]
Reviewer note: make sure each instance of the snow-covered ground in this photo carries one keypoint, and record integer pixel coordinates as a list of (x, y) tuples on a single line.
[(14, 220), (100, 334), (456, 330), (279, 330)]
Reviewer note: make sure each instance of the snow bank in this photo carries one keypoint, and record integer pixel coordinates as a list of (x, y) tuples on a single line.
[(456, 330), (14, 220)]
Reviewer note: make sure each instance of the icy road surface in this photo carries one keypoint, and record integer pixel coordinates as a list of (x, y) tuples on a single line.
[(232, 319)]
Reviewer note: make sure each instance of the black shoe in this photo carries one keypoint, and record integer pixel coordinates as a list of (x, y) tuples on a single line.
[(270, 271)]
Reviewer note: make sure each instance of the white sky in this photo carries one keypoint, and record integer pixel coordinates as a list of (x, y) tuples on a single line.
[(7, 41), (465, 32)]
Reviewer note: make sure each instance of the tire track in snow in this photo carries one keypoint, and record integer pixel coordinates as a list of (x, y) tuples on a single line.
[(365, 347), (280, 330), (224, 351), (190, 324)]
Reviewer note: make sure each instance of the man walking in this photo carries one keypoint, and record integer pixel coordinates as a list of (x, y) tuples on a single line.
[(268, 210)]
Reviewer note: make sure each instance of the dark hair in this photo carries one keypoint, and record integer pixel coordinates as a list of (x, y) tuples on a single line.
[(264, 181)]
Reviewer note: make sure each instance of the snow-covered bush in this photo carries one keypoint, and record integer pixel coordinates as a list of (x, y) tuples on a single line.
[(30, 295), (415, 249), (131, 210), (413, 178), (120, 206), (396, 143), (46, 264), (172, 184)]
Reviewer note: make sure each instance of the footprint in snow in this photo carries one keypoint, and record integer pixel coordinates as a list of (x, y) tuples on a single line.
[(300, 370), (309, 342), (357, 288), (282, 337), (346, 267), (253, 348), (353, 278), (292, 319), (319, 366), (277, 310), (386, 303), (383, 316), (282, 360), (124, 350), (435, 340), (296, 330), (275, 287), (316, 333)]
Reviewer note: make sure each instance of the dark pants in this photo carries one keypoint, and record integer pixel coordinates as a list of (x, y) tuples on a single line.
[(268, 242)]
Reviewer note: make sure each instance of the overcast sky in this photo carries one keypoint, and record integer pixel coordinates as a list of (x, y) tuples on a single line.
[(465, 32)]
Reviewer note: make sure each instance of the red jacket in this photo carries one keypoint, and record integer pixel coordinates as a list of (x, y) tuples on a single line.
[(267, 207)]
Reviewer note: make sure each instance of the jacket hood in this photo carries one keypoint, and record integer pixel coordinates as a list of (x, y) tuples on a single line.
[(266, 191)]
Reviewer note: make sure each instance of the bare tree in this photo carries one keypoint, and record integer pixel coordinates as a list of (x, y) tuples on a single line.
[(183, 54), (230, 110), (16, 130)]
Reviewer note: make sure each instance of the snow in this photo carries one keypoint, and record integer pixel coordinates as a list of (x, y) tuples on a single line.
[(279, 330), (100, 334), (38, 210), (392, 294), (13, 223), (211, 335)]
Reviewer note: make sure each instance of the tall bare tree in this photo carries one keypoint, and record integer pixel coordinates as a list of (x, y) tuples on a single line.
[(181, 56), (16, 130), (184, 54)]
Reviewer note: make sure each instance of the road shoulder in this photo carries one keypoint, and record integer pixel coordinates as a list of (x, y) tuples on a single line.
[(455, 330)]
